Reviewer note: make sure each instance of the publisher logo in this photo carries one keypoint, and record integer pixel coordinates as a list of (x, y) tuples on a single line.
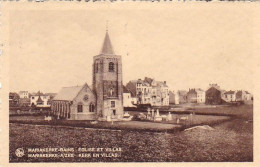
[(19, 152)]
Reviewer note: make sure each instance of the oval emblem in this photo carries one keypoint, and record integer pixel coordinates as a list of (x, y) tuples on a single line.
[(85, 97)]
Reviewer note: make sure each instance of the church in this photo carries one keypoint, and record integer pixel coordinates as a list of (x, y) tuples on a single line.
[(103, 100)]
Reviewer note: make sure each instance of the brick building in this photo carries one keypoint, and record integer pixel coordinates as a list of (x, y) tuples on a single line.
[(107, 82)]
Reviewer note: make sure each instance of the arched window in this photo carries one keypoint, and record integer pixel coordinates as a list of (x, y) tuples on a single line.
[(91, 108), (96, 68), (80, 107), (111, 67)]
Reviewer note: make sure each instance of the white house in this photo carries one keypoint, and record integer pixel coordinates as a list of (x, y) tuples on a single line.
[(242, 95), (23, 94), (128, 98), (40, 100), (229, 96), (173, 97), (201, 96)]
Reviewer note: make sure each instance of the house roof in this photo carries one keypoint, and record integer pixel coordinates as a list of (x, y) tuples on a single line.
[(14, 94), (107, 46), (162, 84), (68, 93), (23, 91), (125, 90), (39, 100), (192, 91), (131, 86), (229, 92), (39, 94), (143, 82), (199, 90), (182, 92), (171, 93), (52, 95), (148, 80)]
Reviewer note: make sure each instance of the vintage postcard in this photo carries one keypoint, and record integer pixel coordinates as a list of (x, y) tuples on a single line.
[(120, 82)]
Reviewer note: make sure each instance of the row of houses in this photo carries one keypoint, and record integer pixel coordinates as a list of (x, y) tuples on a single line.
[(213, 95), (146, 91), (156, 93), (25, 99)]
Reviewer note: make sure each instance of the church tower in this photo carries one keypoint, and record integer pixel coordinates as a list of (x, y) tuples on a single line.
[(107, 82)]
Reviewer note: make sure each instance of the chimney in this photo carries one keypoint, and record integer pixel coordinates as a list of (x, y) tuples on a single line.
[(164, 82)]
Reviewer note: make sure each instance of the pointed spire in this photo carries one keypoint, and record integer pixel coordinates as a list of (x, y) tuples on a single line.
[(107, 46)]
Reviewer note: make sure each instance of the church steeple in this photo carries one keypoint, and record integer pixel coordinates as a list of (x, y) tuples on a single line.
[(107, 45), (108, 82)]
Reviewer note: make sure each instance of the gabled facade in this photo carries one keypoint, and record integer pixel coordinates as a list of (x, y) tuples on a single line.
[(75, 103), (214, 95)]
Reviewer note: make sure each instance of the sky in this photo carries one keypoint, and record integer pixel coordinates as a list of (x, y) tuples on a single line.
[(186, 47)]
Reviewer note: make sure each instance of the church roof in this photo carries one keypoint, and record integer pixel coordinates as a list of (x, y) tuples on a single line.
[(107, 46), (68, 93)]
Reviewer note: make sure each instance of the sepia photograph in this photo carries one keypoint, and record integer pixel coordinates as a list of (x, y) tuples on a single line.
[(132, 84)]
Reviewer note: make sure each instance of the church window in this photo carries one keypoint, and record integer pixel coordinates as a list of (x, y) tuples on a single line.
[(80, 108), (96, 68), (91, 107), (111, 67), (113, 103)]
